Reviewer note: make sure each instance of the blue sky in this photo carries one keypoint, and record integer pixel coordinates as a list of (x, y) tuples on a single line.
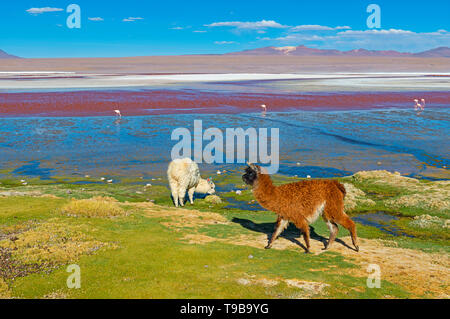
[(37, 28)]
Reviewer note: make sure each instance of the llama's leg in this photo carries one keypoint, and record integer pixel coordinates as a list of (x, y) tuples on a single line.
[(281, 225), (345, 221), (302, 224), (333, 232), (174, 191), (181, 195), (191, 194)]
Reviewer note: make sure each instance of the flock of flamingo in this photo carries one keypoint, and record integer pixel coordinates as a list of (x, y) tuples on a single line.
[(417, 106)]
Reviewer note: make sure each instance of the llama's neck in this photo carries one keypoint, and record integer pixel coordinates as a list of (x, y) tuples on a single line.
[(264, 190)]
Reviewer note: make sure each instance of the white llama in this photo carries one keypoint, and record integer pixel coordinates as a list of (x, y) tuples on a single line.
[(184, 176)]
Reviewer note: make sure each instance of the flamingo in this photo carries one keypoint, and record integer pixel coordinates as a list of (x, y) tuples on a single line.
[(419, 106), (423, 103), (416, 104), (118, 113)]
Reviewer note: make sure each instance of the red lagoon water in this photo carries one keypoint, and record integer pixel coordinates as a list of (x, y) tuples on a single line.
[(154, 102)]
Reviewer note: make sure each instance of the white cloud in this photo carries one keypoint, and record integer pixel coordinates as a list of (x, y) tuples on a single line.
[(373, 39), (395, 39), (300, 38), (311, 27), (340, 37), (248, 25), (224, 42), (375, 31), (199, 31), (316, 27), (96, 19), (43, 10), (132, 19), (176, 28), (342, 27)]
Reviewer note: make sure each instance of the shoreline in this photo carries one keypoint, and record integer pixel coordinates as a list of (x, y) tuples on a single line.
[(246, 82)]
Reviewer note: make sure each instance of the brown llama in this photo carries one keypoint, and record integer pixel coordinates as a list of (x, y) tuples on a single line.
[(301, 203)]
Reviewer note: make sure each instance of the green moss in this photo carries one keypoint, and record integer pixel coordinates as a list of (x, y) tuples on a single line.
[(152, 260)]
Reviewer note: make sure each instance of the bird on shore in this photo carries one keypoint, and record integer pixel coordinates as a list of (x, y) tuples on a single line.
[(118, 113)]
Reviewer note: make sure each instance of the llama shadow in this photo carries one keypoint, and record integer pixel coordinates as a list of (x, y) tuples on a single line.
[(291, 233)]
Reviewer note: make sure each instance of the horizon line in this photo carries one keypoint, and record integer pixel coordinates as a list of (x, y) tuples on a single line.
[(12, 56)]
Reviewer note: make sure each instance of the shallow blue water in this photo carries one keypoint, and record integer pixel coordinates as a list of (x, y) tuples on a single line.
[(324, 143), (381, 221)]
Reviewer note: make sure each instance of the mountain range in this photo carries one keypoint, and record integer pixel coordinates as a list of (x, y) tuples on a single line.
[(4, 55), (301, 50)]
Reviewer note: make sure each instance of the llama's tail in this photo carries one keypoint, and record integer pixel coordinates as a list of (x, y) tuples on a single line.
[(341, 187)]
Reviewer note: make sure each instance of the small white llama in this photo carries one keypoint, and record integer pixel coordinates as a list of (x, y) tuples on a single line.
[(184, 176)]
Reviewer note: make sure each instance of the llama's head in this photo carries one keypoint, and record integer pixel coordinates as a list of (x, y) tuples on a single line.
[(206, 186), (251, 174)]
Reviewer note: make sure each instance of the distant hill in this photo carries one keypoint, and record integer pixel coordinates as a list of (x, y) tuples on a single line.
[(438, 52), (302, 50), (4, 55)]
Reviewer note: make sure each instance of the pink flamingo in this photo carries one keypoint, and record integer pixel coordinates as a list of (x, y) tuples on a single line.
[(418, 106), (423, 103)]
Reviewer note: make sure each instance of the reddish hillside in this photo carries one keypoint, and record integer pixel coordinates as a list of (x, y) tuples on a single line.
[(302, 50)]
